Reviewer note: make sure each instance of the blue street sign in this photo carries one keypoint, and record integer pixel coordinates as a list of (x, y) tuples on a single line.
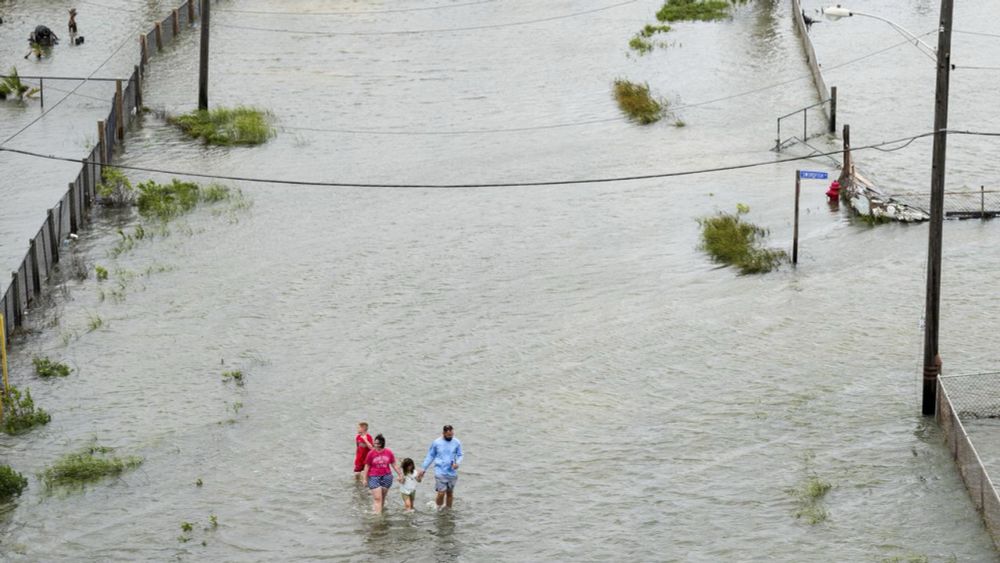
[(812, 175)]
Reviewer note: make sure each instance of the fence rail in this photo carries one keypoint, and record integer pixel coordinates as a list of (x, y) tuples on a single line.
[(29, 281), (982, 489)]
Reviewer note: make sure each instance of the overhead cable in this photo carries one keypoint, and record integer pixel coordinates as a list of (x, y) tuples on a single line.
[(507, 184)]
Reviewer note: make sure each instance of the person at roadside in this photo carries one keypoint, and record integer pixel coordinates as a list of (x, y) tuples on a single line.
[(446, 455), (379, 466), (363, 441), (72, 24)]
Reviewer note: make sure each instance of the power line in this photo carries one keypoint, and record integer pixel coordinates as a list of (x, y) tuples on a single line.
[(512, 184), (421, 31), (980, 33), (359, 12)]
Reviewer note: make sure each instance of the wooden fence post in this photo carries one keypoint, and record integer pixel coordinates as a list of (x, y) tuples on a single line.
[(191, 16), (73, 227), (833, 109), (119, 111), (101, 141), (53, 241), (36, 273), (138, 89), (15, 291), (159, 37), (143, 50), (176, 20)]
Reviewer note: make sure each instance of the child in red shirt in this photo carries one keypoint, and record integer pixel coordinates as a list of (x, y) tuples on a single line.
[(363, 441)]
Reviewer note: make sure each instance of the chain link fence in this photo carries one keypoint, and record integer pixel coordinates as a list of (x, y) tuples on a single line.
[(962, 204), (967, 398)]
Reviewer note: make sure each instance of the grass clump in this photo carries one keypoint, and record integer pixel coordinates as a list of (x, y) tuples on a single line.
[(730, 240), (20, 414), (166, 201), (88, 465), (693, 10), (12, 483), (234, 375), (810, 494), (45, 367), (115, 188), (640, 45), (101, 272), (651, 30), (225, 127), (636, 102)]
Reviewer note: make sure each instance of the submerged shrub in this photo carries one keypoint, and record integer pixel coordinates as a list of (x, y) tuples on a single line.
[(640, 45), (693, 10), (86, 466), (45, 367), (234, 375), (165, 201), (12, 483), (730, 240), (809, 496), (115, 188), (635, 100), (20, 414), (224, 126), (11, 85)]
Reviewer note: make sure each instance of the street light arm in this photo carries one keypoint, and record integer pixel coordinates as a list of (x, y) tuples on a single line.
[(837, 12)]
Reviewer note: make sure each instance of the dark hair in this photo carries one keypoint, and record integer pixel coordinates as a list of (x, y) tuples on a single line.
[(407, 466), (379, 440), (447, 427)]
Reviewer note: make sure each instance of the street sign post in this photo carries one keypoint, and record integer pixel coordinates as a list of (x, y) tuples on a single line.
[(799, 176)]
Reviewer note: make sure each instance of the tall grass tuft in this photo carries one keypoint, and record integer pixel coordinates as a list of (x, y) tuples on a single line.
[(693, 10), (636, 102), (12, 483), (730, 240), (225, 127), (20, 414), (11, 85), (85, 466), (44, 367)]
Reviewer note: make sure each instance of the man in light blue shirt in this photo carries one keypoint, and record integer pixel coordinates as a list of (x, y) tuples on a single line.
[(446, 455)]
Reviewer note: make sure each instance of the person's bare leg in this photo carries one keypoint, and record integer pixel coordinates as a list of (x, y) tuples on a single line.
[(439, 500), (377, 500), (408, 503), (449, 496)]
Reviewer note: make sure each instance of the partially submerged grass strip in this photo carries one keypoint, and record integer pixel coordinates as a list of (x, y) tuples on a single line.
[(637, 103), (85, 466), (44, 367), (20, 414), (730, 240), (641, 43), (693, 10), (225, 127), (12, 483)]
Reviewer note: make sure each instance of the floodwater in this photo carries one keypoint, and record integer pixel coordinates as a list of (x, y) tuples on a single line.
[(618, 395)]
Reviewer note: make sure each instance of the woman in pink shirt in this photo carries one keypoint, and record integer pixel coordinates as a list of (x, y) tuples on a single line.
[(379, 466)]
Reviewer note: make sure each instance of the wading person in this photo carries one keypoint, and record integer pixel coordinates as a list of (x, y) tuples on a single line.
[(378, 473), (363, 442), (446, 455), (72, 24)]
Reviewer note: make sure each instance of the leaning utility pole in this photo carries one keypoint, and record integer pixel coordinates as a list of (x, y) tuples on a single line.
[(203, 74), (933, 305)]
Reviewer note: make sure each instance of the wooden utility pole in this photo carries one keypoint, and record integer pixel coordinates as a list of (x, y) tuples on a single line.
[(203, 74), (933, 305)]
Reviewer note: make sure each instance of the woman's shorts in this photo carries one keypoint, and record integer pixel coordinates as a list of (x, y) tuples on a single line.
[(375, 482)]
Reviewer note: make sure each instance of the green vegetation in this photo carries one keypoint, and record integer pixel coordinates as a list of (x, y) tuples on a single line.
[(186, 526), (85, 466), (20, 414), (226, 127), (693, 10), (906, 559), (198, 483), (636, 102), (11, 85), (12, 483), (213, 521), (639, 44), (651, 30), (94, 322), (102, 273), (730, 240), (234, 375), (809, 496), (166, 201), (45, 367), (115, 188)]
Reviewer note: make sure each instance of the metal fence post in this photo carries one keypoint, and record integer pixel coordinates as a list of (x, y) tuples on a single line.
[(833, 109)]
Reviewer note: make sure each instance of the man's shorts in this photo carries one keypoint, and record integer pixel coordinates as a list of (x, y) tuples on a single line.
[(444, 483)]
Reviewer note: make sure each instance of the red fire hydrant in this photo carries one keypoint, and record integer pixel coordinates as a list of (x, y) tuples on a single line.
[(834, 191)]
